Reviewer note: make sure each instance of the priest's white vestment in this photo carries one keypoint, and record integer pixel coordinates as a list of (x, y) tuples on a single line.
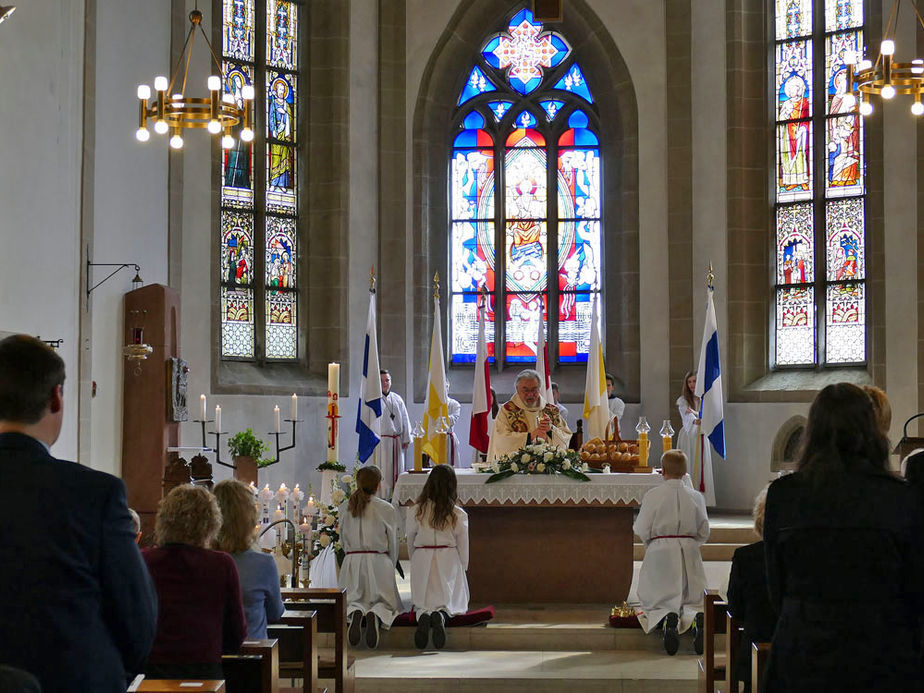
[(439, 559), (515, 421), (370, 543), (396, 435), (671, 523)]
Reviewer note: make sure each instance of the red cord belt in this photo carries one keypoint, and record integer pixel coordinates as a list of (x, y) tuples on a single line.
[(674, 536), (441, 546), (350, 553)]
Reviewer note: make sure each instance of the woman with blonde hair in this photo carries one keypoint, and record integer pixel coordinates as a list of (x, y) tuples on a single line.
[(257, 571), (369, 534), (437, 543), (199, 610)]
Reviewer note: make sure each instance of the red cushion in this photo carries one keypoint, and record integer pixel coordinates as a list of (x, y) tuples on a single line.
[(473, 617), (625, 621)]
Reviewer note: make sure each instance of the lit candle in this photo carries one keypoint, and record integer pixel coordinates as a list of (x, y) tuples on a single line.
[(253, 488), (333, 410), (202, 414), (305, 526), (283, 493), (276, 417), (218, 418), (310, 506), (643, 449), (294, 407), (278, 514), (666, 442), (266, 495)]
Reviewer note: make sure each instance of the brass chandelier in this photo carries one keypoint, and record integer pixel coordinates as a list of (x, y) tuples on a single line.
[(885, 77), (217, 113)]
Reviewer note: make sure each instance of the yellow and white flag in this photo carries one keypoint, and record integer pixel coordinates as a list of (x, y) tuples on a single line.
[(596, 408), (436, 406)]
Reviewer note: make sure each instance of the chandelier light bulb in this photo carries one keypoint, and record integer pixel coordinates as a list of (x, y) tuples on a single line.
[(888, 91), (142, 135), (850, 57), (849, 100), (227, 142), (866, 108), (144, 92), (176, 142), (864, 65), (213, 127), (227, 98), (247, 92), (214, 83), (887, 47), (160, 83), (917, 66), (917, 108), (246, 135), (161, 127)]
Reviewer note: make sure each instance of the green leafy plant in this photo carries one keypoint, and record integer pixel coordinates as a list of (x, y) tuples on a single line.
[(246, 444)]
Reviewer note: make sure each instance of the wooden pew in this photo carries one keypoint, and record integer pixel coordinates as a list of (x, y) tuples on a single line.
[(255, 669), (759, 653), (712, 664), (734, 632), (175, 685), (330, 605), (297, 635)]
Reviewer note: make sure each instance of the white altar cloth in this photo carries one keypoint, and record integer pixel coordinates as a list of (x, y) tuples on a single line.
[(535, 489)]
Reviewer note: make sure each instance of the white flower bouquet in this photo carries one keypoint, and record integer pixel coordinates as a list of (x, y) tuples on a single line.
[(539, 458)]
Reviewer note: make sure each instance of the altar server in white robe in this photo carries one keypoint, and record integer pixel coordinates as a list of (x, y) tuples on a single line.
[(437, 544), (527, 416), (672, 524), (396, 436), (369, 533), (688, 440), (616, 406), (455, 411)]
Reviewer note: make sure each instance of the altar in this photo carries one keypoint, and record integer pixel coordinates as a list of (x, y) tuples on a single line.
[(546, 538)]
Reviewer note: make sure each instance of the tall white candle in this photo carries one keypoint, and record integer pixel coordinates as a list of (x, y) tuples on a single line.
[(218, 418), (333, 378), (202, 412), (276, 418), (294, 407), (333, 410)]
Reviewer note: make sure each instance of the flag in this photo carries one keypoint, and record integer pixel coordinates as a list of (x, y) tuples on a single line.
[(478, 431), (596, 408), (542, 364), (709, 382), (369, 413), (436, 405)]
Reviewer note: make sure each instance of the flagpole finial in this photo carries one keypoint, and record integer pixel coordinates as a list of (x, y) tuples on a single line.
[(710, 277), (436, 285), (372, 279)]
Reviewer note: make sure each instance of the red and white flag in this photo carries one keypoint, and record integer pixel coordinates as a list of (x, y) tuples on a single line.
[(481, 408)]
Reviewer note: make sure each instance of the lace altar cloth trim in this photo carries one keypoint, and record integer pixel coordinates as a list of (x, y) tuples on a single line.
[(533, 489)]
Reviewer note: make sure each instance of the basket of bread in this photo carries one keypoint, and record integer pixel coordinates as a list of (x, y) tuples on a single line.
[(620, 455)]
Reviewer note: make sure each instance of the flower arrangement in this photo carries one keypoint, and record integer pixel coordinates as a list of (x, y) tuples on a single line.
[(327, 532), (539, 458)]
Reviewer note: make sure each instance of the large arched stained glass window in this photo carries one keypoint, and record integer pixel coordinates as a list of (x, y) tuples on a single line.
[(259, 194), (525, 185), (820, 286)]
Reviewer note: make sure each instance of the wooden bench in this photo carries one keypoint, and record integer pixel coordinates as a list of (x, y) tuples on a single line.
[(712, 665), (734, 633), (255, 669), (331, 608), (759, 653), (297, 636), (184, 685)]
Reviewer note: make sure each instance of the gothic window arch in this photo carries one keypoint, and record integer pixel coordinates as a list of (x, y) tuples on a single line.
[(820, 187), (525, 208), (259, 199)]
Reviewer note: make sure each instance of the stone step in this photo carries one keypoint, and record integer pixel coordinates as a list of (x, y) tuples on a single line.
[(710, 552), (535, 671)]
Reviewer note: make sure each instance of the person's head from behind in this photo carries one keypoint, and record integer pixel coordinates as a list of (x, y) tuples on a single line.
[(187, 515), (842, 434), (527, 385), (882, 410), (368, 480), (495, 407), (31, 388), (239, 515), (760, 508), (438, 497), (136, 524), (913, 468), (673, 464)]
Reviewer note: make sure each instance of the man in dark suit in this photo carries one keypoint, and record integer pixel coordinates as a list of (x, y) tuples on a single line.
[(77, 606)]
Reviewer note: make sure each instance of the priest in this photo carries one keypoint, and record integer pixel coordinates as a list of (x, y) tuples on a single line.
[(527, 418)]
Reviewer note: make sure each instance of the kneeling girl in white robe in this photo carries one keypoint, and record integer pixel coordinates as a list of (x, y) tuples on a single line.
[(369, 533), (672, 523), (437, 543)]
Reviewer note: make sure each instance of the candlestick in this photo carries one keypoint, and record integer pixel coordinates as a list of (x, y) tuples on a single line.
[(667, 432), (218, 418), (305, 526), (643, 449), (294, 407), (202, 407), (276, 418)]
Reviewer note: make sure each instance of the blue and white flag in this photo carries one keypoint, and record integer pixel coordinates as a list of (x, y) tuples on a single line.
[(709, 382), (369, 416)]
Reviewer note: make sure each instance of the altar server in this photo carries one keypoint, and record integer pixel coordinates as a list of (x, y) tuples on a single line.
[(396, 435), (369, 532), (455, 411), (527, 417), (616, 406), (437, 543), (688, 439), (672, 523)]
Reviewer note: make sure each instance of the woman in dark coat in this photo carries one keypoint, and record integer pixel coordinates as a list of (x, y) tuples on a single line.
[(843, 540)]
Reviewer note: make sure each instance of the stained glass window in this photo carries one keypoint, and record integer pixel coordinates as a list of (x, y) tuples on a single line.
[(820, 186), (259, 184), (534, 248)]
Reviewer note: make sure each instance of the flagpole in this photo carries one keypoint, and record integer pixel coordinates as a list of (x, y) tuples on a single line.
[(710, 278)]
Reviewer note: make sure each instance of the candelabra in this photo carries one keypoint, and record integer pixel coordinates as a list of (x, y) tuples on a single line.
[(293, 548), (283, 448)]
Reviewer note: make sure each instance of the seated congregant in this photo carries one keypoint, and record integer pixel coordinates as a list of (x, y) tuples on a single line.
[(200, 615), (527, 417), (672, 524), (257, 571)]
